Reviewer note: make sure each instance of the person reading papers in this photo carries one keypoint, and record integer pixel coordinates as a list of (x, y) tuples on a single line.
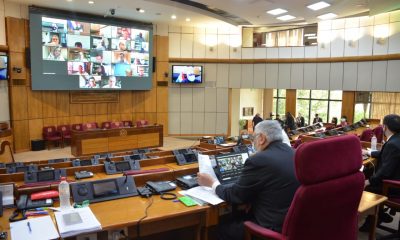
[(267, 183)]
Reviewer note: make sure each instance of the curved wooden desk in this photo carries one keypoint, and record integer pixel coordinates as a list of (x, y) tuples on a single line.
[(119, 139)]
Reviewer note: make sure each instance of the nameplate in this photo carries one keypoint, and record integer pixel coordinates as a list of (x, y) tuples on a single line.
[(94, 97)]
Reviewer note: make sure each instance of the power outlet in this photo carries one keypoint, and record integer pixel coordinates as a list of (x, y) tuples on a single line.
[(92, 236)]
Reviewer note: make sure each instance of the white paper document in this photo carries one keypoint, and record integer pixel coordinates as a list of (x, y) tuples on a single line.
[(8, 194), (205, 194), (205, 166), (39, 228), (76, 221)]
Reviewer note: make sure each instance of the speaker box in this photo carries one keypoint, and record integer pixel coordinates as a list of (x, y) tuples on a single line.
[(37, 145), (154, 64)]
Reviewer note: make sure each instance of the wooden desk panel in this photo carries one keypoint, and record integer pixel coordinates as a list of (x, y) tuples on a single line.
[(111, 140)]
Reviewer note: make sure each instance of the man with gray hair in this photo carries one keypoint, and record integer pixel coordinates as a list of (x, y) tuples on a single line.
[(267, 183)]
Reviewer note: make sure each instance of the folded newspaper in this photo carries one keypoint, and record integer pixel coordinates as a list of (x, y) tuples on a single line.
[(76, 221)]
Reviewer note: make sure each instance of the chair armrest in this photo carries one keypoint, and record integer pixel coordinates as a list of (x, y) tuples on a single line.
[(389, 184), (257, 230)]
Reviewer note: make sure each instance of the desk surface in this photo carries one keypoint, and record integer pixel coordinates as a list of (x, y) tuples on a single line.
[(369, 200)]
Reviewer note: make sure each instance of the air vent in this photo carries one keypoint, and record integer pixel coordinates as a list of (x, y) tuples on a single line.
[(162, 84), (19, 82)]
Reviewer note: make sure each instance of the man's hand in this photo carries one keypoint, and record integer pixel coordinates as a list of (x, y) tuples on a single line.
[(366, 152), (366, 183), (205, 180)]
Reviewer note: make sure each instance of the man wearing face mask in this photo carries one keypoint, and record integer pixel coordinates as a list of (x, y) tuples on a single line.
[(388, 167), (267, 183)]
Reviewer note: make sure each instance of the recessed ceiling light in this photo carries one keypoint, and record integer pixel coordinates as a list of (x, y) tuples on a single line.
[(69, 0), (312, 37), (187, 19), (318, 5), (310, 34), (91, 2), (286, 17), (173, 16), (276, 11), (327, 16), (141, 10)]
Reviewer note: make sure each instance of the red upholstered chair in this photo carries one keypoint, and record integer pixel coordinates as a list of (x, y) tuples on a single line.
[(378, 131), (127, 123), (141, 123), (117, 125), (89, 126), (77, 127), (50, 135), (296, 143), (106, 125), (366, 135), (65, 132), (326, 203)]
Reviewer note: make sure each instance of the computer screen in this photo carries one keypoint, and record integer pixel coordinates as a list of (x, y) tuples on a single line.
[(3, 67), (230, 165)]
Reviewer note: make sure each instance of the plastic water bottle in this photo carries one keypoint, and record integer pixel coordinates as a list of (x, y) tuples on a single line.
[(373, 143), (64, 194)]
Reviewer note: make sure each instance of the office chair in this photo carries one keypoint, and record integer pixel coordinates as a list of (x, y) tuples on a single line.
[(65, 131), (89, 126), (106, 125), (51, 135), (325, 206), (393, 202), (378, 131), (127, 123), (116, 125), (366, 135), (77, 127), (141, 123)]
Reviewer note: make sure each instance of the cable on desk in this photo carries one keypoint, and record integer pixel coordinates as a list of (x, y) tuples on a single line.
[(145, 216), (168, 196)]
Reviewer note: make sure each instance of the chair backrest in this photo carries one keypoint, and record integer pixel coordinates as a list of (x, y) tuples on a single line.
[(140, 123), (77, 127), (106, 125), (127, 123), (117, 124), (65, 129), (366, 135), (378, 131), (326, 203), (91, 125), (49, 131), (6, 154)]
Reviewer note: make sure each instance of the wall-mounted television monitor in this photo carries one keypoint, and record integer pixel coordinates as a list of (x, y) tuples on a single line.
[(187, 74), (3, 67), (87, 52)]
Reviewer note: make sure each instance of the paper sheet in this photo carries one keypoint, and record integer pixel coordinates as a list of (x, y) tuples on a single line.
[(89, 222), (8, 194), (205, 166), (205, 194), (41, 228)]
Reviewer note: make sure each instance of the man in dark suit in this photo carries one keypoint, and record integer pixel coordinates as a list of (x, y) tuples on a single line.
[(256, 120), (267, 183), (388, 166), (317, 119)]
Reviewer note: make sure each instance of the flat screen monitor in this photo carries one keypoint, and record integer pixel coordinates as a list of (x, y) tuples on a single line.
[(187, 74), (3, 67), (87, 52)]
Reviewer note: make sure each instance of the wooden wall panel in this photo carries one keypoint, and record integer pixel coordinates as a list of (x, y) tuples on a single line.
[(113, 108), (125, 102), (162, 48), (63, 121), (102, 118), (89, 109), (49, 103), (291, 101), (89, 118), (19, 97), (163, 73), (126, 117), (75, 109), (62, 104), (15, 34), (35, 128), (151, 117), (75, 119), (101, 108), (162, 99), (348, 101), (138, 101), (115, 117), (139, 116), (34, 104), (21, 135), (150, 100), (49, 121), (17, 60)]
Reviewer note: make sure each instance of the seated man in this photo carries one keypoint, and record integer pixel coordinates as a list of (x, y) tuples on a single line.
[(267, 182), (388, 166)]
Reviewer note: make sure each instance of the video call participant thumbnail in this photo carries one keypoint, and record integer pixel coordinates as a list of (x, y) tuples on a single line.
[(112, 83)]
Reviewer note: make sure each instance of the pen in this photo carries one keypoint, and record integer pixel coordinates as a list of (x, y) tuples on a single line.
[(29, 226)]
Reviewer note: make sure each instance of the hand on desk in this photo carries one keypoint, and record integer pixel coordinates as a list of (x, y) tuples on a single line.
[(205, 180)]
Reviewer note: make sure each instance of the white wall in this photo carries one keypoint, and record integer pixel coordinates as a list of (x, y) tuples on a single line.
[(376, 35), (251, 98)]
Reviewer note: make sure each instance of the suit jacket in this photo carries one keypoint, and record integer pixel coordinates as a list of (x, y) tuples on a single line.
[(388, 166), (268, 183)]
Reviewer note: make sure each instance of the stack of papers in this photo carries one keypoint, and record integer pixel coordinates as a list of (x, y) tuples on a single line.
[(205, 194), (76, 221), (34, 229)]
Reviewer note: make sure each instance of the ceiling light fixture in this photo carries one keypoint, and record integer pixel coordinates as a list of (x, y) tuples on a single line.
[(286, 17), (319, 5), (310, 34), (173, 16), (276, 11), (91, 2), (140, 10), (187, 19), (312, 37), (327, 16)]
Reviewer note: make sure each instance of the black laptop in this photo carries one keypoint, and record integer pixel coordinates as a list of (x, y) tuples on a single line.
[(229, 166)]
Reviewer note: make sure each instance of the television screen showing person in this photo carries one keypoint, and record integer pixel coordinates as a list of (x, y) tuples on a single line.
[(112, 82)]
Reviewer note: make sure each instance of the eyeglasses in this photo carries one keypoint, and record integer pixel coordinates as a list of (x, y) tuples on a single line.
[(253, 137)]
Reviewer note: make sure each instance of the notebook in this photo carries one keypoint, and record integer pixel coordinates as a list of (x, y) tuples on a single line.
[(229, 166)]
